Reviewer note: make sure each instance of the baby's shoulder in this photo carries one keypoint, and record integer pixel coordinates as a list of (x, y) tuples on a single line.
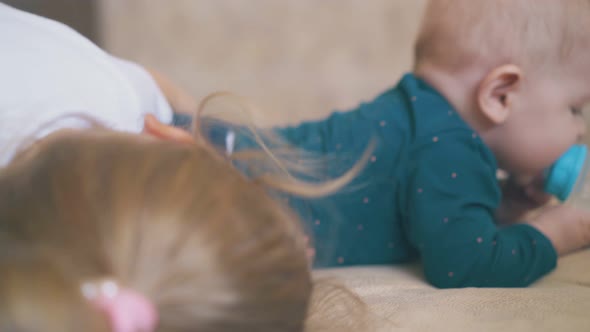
[(461, 146)]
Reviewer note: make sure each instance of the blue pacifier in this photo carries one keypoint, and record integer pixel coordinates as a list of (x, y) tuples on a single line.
[(562, 177)]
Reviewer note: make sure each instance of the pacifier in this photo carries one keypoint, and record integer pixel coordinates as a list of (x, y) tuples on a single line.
[(566, 178)]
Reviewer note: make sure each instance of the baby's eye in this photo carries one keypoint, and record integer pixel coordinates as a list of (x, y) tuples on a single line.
[(575, 111)]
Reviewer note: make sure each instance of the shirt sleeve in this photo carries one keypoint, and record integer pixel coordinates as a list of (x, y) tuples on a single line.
[(452, 197)]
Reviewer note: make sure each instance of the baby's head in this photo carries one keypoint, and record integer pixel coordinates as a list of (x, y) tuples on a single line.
[(516, 70), (211, 250), (539, 34)]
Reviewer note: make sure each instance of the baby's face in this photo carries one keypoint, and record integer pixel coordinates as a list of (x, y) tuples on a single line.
[(545, 121)]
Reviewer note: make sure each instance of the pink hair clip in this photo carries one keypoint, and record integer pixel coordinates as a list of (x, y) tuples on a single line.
[(127, 310)]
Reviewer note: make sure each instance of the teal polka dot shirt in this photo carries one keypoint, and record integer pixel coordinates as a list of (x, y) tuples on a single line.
[(429, 192)]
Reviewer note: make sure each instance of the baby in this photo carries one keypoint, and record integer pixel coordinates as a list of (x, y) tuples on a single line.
[(496, 85)]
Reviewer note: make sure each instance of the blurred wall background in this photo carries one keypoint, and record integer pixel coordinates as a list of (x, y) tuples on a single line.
[(295, 58)]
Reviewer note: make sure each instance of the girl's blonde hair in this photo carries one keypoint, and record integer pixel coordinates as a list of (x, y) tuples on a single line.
[(269, 159), (177, 223), (36, 294)]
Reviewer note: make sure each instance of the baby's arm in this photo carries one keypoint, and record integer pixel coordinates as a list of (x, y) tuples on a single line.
[(452, 198), (568, 228)]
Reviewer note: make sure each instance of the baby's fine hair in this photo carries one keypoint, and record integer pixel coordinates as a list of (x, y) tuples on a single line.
[(460, 33), (211, 250)]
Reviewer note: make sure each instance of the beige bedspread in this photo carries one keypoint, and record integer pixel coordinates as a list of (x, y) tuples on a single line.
[(398, 299)]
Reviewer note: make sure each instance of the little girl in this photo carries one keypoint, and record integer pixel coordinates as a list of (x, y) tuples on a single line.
[(106, 231)]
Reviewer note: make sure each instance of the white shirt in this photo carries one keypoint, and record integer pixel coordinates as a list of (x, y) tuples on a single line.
[(49, 72)]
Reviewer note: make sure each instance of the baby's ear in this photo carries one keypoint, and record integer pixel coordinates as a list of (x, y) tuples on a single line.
[(155, 128), (495, 93)]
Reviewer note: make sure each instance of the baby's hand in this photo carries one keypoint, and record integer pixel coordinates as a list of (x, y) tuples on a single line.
[(520, 198), (567, 227)]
